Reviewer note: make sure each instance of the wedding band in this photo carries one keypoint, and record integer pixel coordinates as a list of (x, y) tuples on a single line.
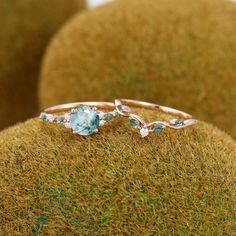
[(83, 118), (156, 126)]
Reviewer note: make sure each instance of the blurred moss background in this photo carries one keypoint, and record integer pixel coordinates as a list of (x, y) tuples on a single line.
[(26, 28), (180, 54), (180, 182)]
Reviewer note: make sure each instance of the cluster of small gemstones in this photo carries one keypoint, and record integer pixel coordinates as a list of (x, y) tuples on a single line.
[(157, 128), (52, 118), (47, 117), (83, 120), (105, 117)]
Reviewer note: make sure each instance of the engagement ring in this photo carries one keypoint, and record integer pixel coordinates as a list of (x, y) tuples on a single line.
[(83, 118)]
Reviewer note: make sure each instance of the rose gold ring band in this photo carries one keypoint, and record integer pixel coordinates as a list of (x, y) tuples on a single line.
[(84, 118), (69, 106), (152, 106), (155, 126)]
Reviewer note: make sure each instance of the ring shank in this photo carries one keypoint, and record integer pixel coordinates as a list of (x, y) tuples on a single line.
[(110, 105), (148, 105), (69, 106)]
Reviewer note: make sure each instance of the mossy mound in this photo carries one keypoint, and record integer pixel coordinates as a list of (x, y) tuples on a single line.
[(181, 55), (26, 27), (115, 183)]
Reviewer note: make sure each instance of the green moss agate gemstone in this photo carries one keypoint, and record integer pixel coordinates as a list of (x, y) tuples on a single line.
[(108, 117), (84, 120), (43, 116), (123, 108), (60, 119), (158, 128), (179, 122), (134, 123), (46, 117)]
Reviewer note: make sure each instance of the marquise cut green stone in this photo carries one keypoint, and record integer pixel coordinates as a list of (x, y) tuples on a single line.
[(158, 128), (60, 119), (134, 123), (84, 120), (108, 117), (179, 122), (43, 116), (123, 108)]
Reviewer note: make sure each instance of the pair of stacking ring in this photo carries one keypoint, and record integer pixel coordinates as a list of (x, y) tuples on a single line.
[(85, 118)]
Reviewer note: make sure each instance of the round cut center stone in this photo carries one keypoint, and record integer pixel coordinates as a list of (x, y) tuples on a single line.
[(84, 120)]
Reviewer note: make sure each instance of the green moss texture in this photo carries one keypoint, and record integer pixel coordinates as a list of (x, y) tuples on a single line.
[(115, 183), (178, 54), (26, 28)]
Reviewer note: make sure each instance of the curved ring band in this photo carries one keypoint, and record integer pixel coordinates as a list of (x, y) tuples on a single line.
[(83, 118), (156, 126)]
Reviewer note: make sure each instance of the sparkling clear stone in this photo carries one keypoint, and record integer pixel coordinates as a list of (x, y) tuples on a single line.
[(144, 132), (84, 120), (102, 122)]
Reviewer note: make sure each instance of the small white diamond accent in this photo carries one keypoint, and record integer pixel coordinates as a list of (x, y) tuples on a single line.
[(67, 125), (67, 116), (50, 118), (101, 114), (102, 122), (144, 132)]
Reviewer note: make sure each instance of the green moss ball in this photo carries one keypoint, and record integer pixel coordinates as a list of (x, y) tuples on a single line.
[(26, 27), (114, 182), (181, 54)]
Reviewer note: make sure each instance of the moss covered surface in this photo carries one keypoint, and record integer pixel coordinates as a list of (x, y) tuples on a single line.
[(178, 54), (116, 183), (26, 27)]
